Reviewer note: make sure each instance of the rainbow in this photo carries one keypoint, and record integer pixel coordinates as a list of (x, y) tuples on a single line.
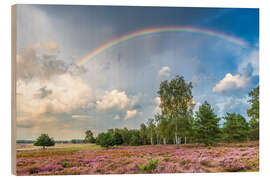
[(144, 32)]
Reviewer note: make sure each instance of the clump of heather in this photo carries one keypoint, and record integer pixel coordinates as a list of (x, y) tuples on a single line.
[(206, 161), (232, 164)]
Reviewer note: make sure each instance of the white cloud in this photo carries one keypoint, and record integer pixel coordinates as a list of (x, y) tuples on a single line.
[(130, 114), (113, 99), (230, 82), (251, 59), (49, 46), (77, 116), (157, 107), (232, 104), (116, 117), (164, 72), (248, 68), (63, 97)]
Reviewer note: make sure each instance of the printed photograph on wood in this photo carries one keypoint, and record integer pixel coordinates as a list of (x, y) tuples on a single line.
[(135, 90)]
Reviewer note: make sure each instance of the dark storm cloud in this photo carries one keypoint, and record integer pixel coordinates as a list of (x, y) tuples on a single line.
[(43, 92), (35, 62)]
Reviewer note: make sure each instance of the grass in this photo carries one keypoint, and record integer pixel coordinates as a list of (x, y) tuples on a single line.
[(82, 147), (58, 150), (28, 147)]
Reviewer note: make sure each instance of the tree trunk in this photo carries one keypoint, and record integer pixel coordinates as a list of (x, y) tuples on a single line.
[(151, 138), (185, 139), (176, 137)]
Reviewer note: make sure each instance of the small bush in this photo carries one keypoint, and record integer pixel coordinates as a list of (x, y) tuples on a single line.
[(209, 147), (150, 166), (233, 165), (65, 164)]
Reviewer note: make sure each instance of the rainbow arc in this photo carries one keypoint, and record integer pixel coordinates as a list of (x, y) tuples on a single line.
[(148, 31)]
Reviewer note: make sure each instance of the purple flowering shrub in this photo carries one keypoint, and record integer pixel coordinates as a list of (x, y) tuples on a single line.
[(142, 159)]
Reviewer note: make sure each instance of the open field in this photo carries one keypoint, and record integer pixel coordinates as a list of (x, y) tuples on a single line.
[(91, 159), (58, 146)]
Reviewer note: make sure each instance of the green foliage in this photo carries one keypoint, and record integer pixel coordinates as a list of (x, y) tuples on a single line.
[(65, 164), (105, 140), (126, 135), (164, 128), (89, 137), (177, 106), (254, 129), (253, 113), (206, 125), (24, 141), (152, 164), (118, 138), (135, 138), (151, 131), (77, 141), (62, 141), (235, 128), (44, 140), (143, 134)]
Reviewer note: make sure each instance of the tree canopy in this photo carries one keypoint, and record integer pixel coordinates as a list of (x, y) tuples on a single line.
[(44, 140), (206, 127), (105, 140), (177, 105), (235, 128), (254, 113), (89, 137)]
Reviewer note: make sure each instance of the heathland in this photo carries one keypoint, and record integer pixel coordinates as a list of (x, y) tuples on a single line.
[(92, 159)]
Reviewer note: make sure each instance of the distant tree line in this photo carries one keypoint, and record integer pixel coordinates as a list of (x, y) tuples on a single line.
[(178, 124), (73, 141), (25, 141)]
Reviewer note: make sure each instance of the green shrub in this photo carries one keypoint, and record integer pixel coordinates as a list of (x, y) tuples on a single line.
[(105, 140), (44, 140), (150, 166), (65, 164)]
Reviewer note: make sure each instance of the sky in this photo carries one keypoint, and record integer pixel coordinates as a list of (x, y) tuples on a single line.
[(118, 87)]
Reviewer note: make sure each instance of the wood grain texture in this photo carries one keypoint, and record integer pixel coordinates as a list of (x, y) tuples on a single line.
[(13, 89)]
